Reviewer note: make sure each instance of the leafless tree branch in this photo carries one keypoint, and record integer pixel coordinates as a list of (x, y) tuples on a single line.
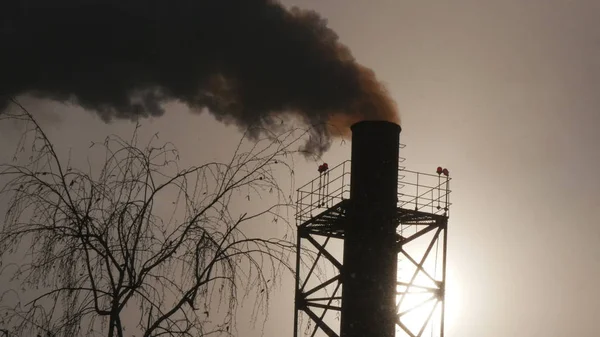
[(96, 244)]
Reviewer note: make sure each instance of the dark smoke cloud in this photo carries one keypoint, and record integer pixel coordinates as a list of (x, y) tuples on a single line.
[(249, 62)]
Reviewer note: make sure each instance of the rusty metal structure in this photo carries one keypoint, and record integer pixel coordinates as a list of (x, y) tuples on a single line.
[(371, 249)]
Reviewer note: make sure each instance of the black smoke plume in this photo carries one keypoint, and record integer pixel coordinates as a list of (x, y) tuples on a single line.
[(248, 62)]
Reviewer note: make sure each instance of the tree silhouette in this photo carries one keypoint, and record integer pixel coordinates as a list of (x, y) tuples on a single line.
[(98, 254)]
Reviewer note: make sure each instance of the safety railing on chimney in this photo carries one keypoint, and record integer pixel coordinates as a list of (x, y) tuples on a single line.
[(418, 191), (328, 189), (424, 192)]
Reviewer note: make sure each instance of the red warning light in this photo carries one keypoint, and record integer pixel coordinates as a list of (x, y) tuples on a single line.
[(439, 170), (446, 172)]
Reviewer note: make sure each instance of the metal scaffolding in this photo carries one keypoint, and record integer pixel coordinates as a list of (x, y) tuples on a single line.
[(330, 231)]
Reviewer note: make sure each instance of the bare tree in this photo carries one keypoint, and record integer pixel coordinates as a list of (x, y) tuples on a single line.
[(99, 255)]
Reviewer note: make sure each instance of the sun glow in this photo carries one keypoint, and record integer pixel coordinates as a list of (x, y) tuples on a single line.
[(419, 309), (421, 302)]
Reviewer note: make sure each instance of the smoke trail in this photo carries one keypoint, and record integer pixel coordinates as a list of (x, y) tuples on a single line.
[(248, 62)]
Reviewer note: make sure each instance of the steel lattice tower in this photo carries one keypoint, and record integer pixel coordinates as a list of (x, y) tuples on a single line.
[(372, 244)]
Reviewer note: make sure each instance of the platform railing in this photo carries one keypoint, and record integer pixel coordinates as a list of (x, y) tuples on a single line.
[(424, 192), (329, 188), (418, 191)]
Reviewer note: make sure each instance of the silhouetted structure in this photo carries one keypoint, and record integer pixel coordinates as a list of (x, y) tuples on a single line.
[(378, 218)]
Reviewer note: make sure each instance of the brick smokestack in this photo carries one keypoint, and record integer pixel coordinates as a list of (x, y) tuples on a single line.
[(370, 258)]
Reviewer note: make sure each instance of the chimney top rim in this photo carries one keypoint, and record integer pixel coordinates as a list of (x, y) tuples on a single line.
[(373, 123)]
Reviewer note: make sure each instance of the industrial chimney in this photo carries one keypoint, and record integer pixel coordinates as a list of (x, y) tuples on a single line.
[(370, 258), (389, 281)]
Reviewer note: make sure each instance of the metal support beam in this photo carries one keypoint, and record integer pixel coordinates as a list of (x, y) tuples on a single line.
[(378, 229)]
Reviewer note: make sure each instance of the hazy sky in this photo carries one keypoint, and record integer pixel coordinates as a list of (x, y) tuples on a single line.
[(504, 93)]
